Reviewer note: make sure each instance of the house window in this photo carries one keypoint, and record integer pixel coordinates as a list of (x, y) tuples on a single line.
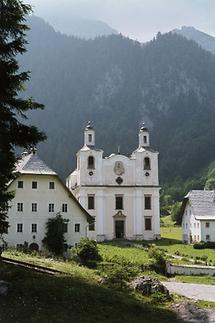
[(92, 226), (198, 225), (34, 207), (64, 207), (194, 225), (34, 228), (90, 137), (20, 207), (77, 227), (91, 202), (148, 202), (207, 237), (34, 185), (119, 202), (198, 237), (91, 163), (148, 224), (51, 207), (186, 225), (207, 225), (19, 227), (20, 184), (147, 163), (51, 185), (65, 227)]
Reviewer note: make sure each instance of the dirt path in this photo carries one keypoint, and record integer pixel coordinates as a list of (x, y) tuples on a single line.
[(193, 291)]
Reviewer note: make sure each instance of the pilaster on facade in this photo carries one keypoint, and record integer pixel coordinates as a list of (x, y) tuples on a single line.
[(119, 184)]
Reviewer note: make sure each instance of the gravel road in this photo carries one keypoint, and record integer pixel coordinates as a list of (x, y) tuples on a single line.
[(194, 291), (189, 312)]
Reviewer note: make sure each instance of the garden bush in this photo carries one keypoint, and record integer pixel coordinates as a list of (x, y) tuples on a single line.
[(204, 245), (87, 251)]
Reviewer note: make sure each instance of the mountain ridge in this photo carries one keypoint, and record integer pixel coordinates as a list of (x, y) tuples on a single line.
[(205, 40), (118, 83)]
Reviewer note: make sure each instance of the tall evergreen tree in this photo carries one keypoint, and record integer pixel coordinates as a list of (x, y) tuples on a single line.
[(13, 128)]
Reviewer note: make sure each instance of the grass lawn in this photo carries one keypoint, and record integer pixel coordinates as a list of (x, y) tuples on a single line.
[(78, 297), (171, 242), (134, 255)]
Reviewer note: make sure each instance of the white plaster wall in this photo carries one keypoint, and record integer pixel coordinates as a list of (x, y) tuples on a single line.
[(133, 210), (103, 185), (210, 230), (186, 223), (42, 196), (140, 173), (190, 270), (103, 174)]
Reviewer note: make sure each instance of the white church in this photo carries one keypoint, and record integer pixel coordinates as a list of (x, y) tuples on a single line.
[(120, 192)]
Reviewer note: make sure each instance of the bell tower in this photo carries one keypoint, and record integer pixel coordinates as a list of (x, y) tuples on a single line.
[(89, 135), (144, 136)]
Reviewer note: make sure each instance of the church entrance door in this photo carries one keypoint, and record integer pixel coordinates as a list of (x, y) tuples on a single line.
[(119, 229)]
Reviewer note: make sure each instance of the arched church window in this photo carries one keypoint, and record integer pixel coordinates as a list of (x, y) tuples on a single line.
[(91, 162), (90, 137), (147, 163)]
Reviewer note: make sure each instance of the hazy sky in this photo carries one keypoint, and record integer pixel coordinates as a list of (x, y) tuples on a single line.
[(139, 19)]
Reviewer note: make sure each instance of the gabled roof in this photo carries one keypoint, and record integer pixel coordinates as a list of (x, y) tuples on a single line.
[(30, 163), (201, 201)]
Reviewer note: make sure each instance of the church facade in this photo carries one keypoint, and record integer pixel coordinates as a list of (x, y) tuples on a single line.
[(120, 192)]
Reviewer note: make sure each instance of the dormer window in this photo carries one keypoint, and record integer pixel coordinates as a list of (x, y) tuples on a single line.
[(145, 139), (91, 162), (147, 163)]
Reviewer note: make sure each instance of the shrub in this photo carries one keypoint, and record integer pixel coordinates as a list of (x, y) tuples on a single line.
[(204, 245), (159, 258), (118, 274), (204, 258), (159, 298), (87, 251)]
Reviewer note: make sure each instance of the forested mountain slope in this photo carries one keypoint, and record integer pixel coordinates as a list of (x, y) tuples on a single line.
[(118, 83), (79, 27), (206, 41)]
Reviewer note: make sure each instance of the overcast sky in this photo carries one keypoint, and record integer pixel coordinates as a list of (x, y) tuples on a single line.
[(139, 19)]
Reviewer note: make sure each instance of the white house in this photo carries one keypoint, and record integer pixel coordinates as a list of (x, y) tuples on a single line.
[(198, 216), (40, 195), (120, 192)]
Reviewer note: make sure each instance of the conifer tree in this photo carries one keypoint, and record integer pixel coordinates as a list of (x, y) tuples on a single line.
[(14, 131), (54, 239)]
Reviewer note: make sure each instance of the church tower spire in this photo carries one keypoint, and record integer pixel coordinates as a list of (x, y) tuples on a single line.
[(144, 136), (89, 135)]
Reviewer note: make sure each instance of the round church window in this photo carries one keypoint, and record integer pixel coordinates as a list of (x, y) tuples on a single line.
[(119, 180)]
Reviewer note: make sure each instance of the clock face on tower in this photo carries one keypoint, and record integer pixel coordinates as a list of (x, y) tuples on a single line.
[(119, 168)]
